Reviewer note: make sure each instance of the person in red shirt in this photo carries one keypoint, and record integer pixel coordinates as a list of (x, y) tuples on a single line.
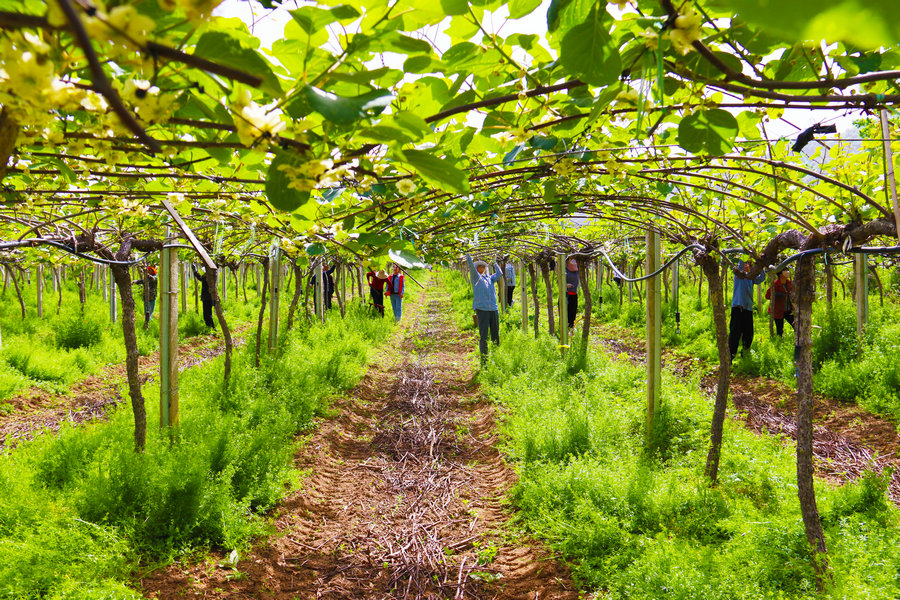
[(377, 281), (780, 306)]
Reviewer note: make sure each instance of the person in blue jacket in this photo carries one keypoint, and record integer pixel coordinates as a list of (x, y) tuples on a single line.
[(740, 329), (485, 301)]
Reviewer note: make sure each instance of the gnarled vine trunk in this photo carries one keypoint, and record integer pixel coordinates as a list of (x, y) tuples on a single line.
[(295, 299), (211, 281), (123, 284), (805, 286), (711, 270)]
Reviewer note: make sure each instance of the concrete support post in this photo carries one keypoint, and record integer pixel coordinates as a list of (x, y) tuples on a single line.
[(168, 337), (275, 296), (320, 291), (563, 301), (654, 331), (112, 298), (185, 274), (889, 167), (675, 281), (861, 284), (40, 291), (523, 297)]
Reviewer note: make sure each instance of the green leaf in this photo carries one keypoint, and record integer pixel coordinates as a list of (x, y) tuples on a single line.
[(868, 24), (587, 52), (406, 259), (346, 111), (437, 171), (402, 127), (709, 131), (553, 13), (315, 249), (224, 49), (374, 239), (417, 64), (520, 8), (278, 190)]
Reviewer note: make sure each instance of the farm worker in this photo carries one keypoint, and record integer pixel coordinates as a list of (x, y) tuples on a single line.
[(780, 306), (396, 286), (149, 293), (571, 290), (741, 325), (328, 292), (377, 281), (205, 298), (485, 302), (510, 283)]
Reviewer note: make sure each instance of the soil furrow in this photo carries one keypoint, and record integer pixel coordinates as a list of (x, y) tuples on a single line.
[(405, 496)]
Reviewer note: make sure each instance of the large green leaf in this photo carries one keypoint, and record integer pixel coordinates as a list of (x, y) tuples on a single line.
[(520, 8), (588, 52), (867, 24), (406, 259), (278, 189), (346, 111), (222, 48), (708, 131), (437, 171)]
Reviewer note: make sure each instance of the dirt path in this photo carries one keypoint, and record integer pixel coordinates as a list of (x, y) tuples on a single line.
[(37, 410), (847, 440), (405, 497)]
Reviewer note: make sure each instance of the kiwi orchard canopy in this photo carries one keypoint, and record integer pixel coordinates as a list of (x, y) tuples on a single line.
[(636, 116)]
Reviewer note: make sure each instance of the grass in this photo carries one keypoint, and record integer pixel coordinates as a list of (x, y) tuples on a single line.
[(80, 511), (846, 367), (638, 520), (54, 352)]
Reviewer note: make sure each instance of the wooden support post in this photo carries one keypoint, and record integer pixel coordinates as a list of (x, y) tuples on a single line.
[(654, 331), (502, 284), (320, 290), (103, 277), (168, 336), (861, 279), (275, 297), (112, 297), (523, 297), (889, 167), (563, 301), (40, 291)]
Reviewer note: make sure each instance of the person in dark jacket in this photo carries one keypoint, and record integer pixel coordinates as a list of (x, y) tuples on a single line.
[(377, 281), (395, 289), (510, 275), (741, 325), (328, 291), (780, 306), (149, 294), (205, 298), (572, 284)]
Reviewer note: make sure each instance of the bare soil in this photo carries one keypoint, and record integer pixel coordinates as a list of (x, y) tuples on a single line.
[(405, 496), (847, 440), (36, 410)]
